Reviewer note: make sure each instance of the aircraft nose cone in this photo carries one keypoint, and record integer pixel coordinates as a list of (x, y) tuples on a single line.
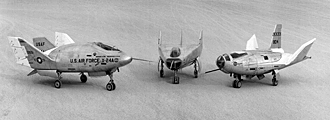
[(125, 59), (220, 62)]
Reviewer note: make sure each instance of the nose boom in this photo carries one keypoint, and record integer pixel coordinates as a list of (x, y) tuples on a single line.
[(125, 59)]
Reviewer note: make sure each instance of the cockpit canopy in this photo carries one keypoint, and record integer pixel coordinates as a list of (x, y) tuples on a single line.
[(175, 52), (106, 47), (237, 54)]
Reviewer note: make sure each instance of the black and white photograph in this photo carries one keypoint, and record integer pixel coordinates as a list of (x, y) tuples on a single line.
[(164, 59)]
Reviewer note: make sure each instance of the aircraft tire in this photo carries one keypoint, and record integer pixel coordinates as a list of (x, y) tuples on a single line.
[(238, 84), (83, 78), (57, 84), (275, 82), (176, 80), (113, 86), (234, 83), (161, 73), (109, 86)]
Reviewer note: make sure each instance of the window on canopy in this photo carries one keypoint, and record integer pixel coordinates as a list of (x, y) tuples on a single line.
[(106, 47), (237, 55)]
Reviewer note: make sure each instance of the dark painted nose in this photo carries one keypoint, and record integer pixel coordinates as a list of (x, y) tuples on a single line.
[(125, 59), (173, 63), (220, 62)]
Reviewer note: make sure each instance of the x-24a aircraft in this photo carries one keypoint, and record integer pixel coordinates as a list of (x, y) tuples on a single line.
[(94, 58), (176, 57), (254, 62)]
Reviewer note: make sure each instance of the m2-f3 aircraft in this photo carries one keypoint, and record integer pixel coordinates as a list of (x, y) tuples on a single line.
[(94, 58), (254, 62), (176, 57)]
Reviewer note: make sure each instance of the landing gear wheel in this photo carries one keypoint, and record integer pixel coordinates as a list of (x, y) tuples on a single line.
[(176, 80), (237, 84), (113, 86), (83, 78), (275, 82), (110, 86), (195, 73), (57, 84), (161, 73), (234, 83)]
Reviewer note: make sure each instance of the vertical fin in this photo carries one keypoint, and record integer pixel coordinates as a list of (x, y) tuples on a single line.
[(252, 44), (19, 52), (181, 38), (160, 38), (301, 53), (36, 58), (276, 40), (42, 44), (201, 38), (62, 39)]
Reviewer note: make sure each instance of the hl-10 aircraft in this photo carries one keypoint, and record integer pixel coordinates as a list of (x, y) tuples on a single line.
[(177, 57), (254, 62), (95, 58)]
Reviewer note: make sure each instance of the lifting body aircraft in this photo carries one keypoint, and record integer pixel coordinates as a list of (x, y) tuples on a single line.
[(176, 57), (254, 62), (94, 58)]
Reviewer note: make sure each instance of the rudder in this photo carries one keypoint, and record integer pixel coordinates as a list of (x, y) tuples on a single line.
[(42, 44)]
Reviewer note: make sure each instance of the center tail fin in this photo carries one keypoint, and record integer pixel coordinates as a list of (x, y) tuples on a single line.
[(35, 57), (62, 39), (42, 44), (276, 40), (301, 53)]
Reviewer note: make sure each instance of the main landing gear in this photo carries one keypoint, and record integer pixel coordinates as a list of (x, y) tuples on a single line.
[(161, 68), (58, 83), (111, 85), (196, 67), (238, 82), (83, 78), (274, 80)]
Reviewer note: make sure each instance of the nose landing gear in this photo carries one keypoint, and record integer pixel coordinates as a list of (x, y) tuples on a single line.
[(238, 82), (111, 85), (176, 78)]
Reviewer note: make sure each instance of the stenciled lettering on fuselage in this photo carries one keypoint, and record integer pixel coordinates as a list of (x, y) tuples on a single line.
[(95, 60)]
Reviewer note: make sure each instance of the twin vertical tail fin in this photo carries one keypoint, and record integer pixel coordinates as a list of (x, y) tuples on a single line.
[(201, 38), (276, 41), (34, 56), (301, 53), (42, 44), (19, 52), (160, 38), (62, 39)]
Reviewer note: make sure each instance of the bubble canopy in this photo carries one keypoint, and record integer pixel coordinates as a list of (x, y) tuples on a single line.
[(106, 47)]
